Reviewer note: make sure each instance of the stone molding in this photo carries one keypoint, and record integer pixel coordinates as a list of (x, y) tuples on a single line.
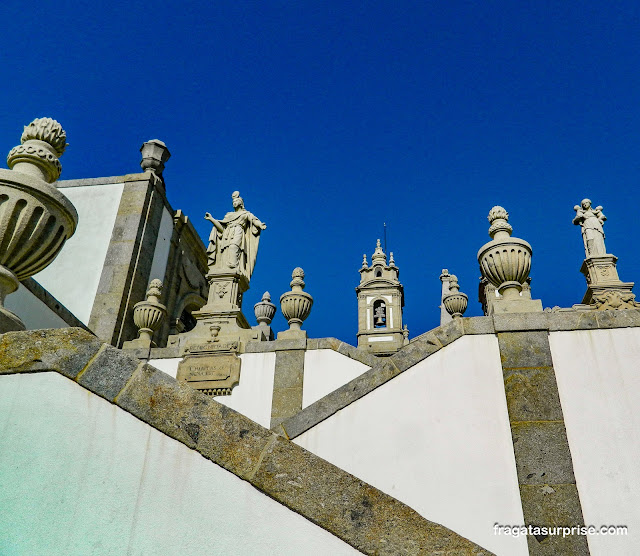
[(434, 340), (357, 513), (334, 344), (108, 180)]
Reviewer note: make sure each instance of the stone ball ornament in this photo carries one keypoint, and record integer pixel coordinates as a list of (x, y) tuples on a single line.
[(505, 261), (36, 219), (296, 304)]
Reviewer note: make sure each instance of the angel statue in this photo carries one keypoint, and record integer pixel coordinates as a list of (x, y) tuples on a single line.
[(591, 221), (233, 242)]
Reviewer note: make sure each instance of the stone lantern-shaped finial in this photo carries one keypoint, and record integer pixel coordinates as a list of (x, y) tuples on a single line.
[(148, 316), (36, 219), (505, 262), (456, 302), (154, 154), (295, 306)]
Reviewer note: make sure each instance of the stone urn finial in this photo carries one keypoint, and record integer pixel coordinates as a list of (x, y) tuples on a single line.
[(456, 302), (154, 154), (149, 314), (42, 143), (505, 261), (296, 304), (36, 219), (264, 310), (405, 336)]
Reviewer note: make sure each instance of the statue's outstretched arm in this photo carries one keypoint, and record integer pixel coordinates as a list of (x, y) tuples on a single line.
[(257, 223), (215, 222)]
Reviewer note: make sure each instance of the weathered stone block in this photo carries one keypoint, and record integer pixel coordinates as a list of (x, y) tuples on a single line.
[(66, 350), (217, 432), (542, 453), (285, 403), (532, 395), (108, 373), (618, 319), (449, 332), (524, 349), (415, 352), (259, 347), (511, 322), (369, 520), (553, 505), (169, 352), (478, 325), (286, 344), (289, 369), (573, 320)]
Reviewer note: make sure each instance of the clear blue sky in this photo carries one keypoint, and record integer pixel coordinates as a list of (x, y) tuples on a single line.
[(334, 117)]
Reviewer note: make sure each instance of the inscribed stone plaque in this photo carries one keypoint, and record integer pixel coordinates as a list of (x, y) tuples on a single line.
[(215, 374)]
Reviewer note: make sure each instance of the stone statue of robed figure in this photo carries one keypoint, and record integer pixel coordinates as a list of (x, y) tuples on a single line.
[(591, 221), (233, 242)]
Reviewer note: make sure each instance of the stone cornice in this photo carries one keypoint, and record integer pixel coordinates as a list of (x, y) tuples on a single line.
[(357, 513)]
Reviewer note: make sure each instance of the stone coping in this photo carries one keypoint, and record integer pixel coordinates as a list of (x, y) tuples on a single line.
[(434, 340), (357, 513), (141, 176), (52, 303), (341, 347)]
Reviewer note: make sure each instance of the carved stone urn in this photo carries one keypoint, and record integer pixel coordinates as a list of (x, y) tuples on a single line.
[(264, 310), (296, 304), (456, 302), (505, 261), (149, 314), (154, 154), (35, 218)]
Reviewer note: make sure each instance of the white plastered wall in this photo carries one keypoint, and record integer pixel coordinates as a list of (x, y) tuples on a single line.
[(598, 375), (82, 476), (73, 277), (436, 437), (252, 397), (34, 313), (326, 370)]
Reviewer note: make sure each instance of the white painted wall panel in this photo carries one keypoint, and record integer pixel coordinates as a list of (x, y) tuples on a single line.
[(163, 246), (252, 397), (73, 277), (82, 476), (598, 375), (326, 370), (34, 313), (436, 437)]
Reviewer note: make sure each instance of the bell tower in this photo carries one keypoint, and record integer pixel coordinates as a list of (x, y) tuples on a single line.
[(380, 303)]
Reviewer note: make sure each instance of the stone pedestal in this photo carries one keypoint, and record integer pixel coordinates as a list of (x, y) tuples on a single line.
[(605, 290), (518, 305), (222, 316)]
